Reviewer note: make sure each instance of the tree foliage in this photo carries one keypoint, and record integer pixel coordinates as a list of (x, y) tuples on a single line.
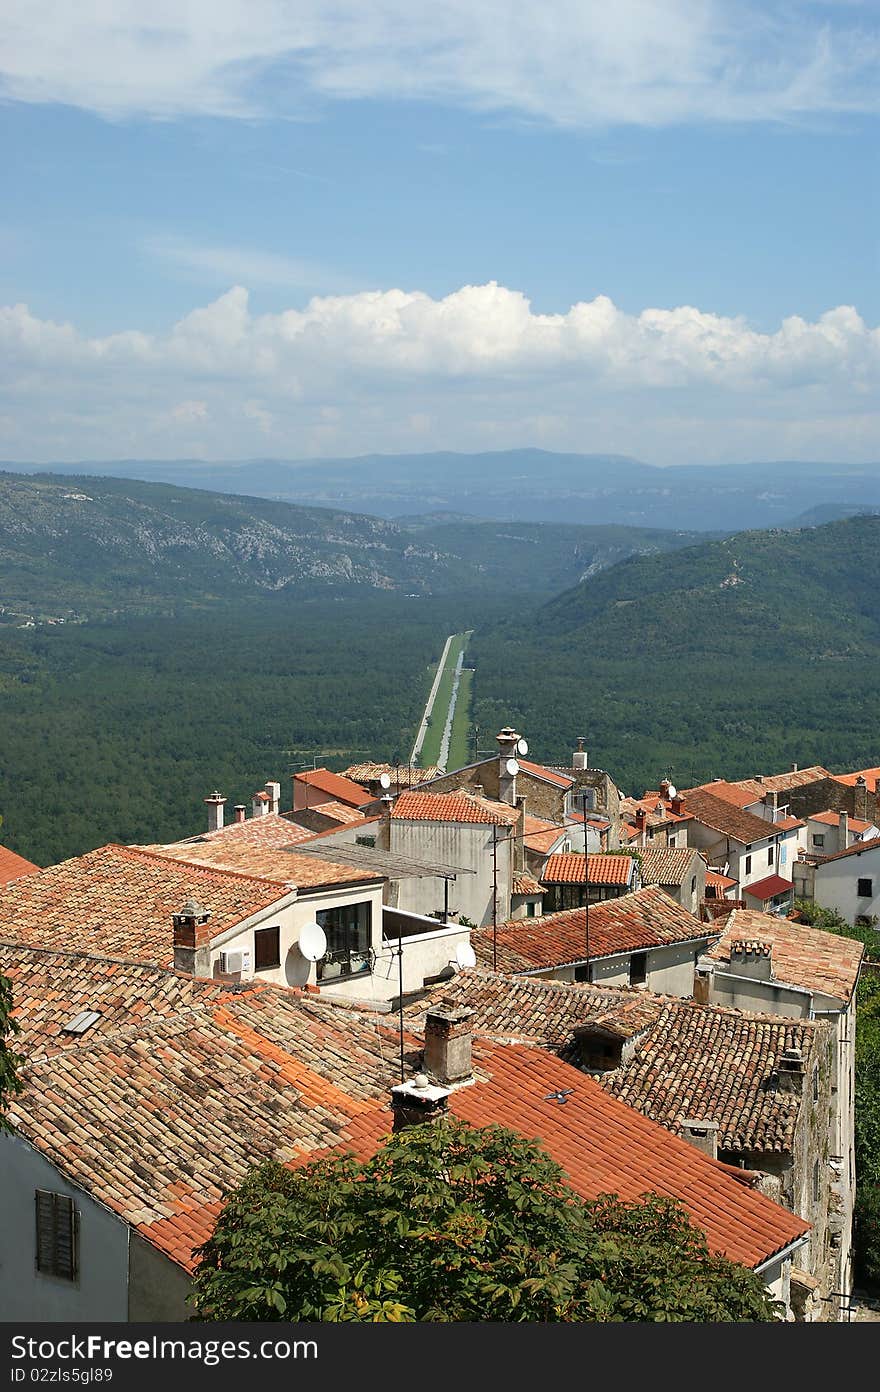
[(9, 1061), (454, 1223)]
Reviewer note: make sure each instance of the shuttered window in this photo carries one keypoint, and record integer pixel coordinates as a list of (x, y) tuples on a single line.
[(267, 948), (56, 1234)]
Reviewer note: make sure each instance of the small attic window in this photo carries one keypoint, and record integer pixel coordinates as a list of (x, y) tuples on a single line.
[(81, 1022)]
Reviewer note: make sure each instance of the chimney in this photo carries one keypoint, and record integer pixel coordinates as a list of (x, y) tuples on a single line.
[(215, 805), (274, 791), (860, 798), (260, 804), (478, 790), (579, 757), (384, 842), (641, 823), (790, 1071), (703, 1135), (676, 805), (793, 768), (665, 785), (842, 831), (192, 939), (752, 959), (507, 739), (418, 1102), (238, 812), (448, 1043), (759, 778), (771, 806)]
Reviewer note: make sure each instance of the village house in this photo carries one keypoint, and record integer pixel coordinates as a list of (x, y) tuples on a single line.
[(768, 964), (569, 880), (829, 832), (181, 1085), (847, 881), (682, 873), (657, 819), (641, 939), (744, 846), (736, 1085)]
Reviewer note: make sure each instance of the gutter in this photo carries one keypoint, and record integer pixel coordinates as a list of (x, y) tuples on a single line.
[(781, 1254)]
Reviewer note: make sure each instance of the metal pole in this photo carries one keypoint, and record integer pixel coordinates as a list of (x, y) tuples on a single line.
[(400, 996), (494, 897), (445, 898), (586, 883)]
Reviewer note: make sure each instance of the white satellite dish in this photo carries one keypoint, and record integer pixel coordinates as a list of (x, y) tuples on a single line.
[(512, 767), (384, 780), (465, 955), (312, 942), (522, 747), (671, 791)]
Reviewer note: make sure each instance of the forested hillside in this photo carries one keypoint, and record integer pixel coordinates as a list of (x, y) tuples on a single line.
[(722, 659), (85, 547)]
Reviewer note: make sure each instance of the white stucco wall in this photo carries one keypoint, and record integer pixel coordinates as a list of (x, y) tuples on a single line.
[(455, 843), (836, 884), (100, 1291), (764, 997), (670, 970)]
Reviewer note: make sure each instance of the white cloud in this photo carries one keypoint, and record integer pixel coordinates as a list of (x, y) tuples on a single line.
[(569, 62), (386, 369)]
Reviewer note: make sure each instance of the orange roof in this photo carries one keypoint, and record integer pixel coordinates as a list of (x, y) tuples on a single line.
[(783, 782), (601, 870), (870, 775), (339, 811), (451, 807), (727, 818), (335, 786), (647, 918), (562, 780), (606, 1147), (524, 883), (119, 900), (733, 793), (273, 829), (714, 877), (806, 957), (833, 819), (767, 888), (13, 866)]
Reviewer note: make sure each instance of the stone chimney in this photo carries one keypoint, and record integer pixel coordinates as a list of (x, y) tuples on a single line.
[(665, 785), (261, 804), (790, 1071), (579, 757), (641, 823), (842, 831), (239, 812), (192, 939), (676, 805), (771, 806), (860, 798), (274, 791), (215, 805), (793, 768), (448, 1043), (752, 959), (703, 1134), (418, 1102), (383, 842), (507, 742)]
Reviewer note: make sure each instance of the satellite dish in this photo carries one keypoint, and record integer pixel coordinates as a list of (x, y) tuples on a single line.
[(512, 767), (522, 747), (312, 942), (671, 791), (465, 955), (384, 780)]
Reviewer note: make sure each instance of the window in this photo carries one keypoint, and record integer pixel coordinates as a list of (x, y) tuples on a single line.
[(365, 841), (638, 968), (819, 840), (349, 939), (530, 908), (769, 855), (267, 948), (57, 1225), (693, 884), (748, 864), (815, 1082), (815, 1181), (865, 889), (583, 973)]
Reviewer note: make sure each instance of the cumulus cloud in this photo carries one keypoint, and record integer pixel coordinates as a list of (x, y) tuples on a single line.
[(477, 368), (569, 62)]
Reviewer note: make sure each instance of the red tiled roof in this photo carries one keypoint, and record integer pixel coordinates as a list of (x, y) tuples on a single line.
[(562, 780), (13, 866), (451, 807), (523, 883), (648, 918), (788, 823), (783, 782), (408, 774), (119, 900), (714, 877), (870, 775), (768, 888), (273, 829), (335, 786), (733, 793), (602, 869), (339, 811), (731, 821), (833, 819), (606, 1147), (800, 956), (666, 865)]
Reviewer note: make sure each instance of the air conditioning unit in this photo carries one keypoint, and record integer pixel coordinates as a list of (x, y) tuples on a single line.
[(231, 963)]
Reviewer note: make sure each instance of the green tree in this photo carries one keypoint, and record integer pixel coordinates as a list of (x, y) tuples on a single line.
[(9, 1061), (453, 1223)]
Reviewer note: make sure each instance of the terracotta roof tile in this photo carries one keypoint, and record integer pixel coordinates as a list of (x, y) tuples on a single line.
[(647, 918), (337, 787), (768, 888), (13, 866), (524, 883), (833, 819), (407, 774), (870, 775), (854, 850), (665, 865), (549, 775), (806, 957), (460, 806), (602, 869), (731, 821)]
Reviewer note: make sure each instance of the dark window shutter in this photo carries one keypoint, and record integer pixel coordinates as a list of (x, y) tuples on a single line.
[(56, 1234), (267, 948)]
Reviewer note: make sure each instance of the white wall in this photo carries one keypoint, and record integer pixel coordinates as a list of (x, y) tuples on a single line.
[(100, 1291), (836, 884), (670, 970), (455, 843)]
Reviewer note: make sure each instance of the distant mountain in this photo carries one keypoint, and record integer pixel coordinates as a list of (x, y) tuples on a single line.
[(831, 512), (526, 485), (728, 658), (81, 546)]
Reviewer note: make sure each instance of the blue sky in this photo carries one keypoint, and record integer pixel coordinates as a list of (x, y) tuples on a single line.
[(294, 229)]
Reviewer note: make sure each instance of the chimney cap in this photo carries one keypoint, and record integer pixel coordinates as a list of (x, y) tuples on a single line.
[(419, 1089), (216, 797)]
